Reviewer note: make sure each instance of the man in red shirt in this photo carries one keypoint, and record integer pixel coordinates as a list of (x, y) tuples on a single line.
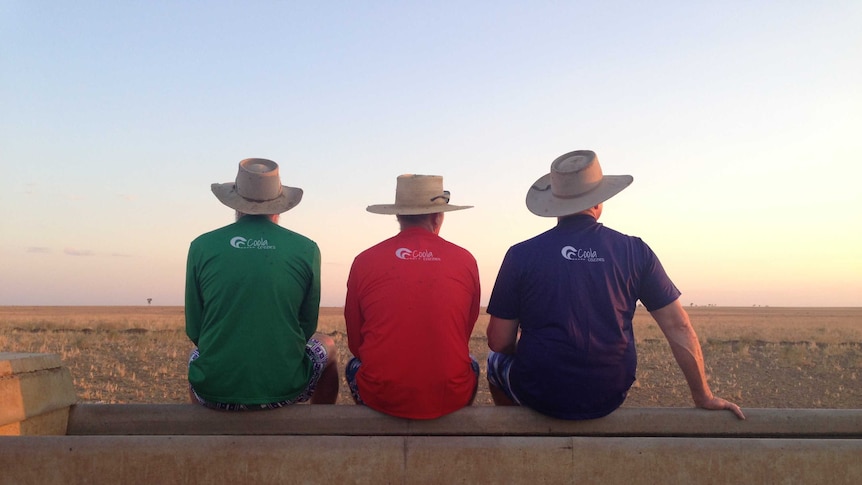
[(412, 302)]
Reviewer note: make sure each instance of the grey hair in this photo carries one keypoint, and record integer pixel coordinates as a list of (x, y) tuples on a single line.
[(271, 217)]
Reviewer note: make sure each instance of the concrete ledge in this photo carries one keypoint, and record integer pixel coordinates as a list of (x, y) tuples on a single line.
[(341, 420), (35, 394), (186, 443), (50, 423), (425, 459)]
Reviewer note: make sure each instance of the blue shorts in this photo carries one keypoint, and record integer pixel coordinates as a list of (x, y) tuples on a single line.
[(314, 349), (499, 366), (353, 367)]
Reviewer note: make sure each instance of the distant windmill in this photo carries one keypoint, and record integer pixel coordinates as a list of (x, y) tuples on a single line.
[(149, 300)]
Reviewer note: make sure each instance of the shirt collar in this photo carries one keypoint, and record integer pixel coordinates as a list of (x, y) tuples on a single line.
[(577, 221), (416, 230)]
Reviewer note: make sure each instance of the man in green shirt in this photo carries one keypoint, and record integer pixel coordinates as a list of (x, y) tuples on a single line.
[(252, 302)]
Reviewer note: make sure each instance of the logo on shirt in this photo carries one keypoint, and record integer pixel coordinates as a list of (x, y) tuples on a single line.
[(240, 242), (574, 254), (415, 255)]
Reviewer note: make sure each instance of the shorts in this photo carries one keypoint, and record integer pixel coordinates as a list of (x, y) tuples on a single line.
[(315, 351), (499, 366), (353, 367)]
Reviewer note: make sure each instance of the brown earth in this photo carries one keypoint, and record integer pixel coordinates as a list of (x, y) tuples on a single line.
[(759, 358)]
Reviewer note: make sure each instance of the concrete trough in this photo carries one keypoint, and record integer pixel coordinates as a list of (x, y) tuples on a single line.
[(186, 443), (36, 391), (426, 459), (340, 420)]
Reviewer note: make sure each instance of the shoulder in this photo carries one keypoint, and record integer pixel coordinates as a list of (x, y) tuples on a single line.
[(454, 248), (384, 246), (299, 238), (532, 244), (372, 257), (618, 237), (450, 254), (609, 232), (211, 235)]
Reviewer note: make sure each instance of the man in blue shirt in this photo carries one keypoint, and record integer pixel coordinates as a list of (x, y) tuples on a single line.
[(561, 310)]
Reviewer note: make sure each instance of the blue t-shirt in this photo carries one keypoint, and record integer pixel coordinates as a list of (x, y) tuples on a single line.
[(574, 290)]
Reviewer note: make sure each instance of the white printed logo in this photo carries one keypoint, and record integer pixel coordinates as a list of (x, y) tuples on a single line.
[(240, 242), (574, 254), (415, 255)]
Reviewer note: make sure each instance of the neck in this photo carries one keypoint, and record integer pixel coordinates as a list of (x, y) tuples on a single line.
[(593, 212), (272, 217), (429, 222)]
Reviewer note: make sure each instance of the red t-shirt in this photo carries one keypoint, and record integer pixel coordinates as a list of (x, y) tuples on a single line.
[(412, 302)]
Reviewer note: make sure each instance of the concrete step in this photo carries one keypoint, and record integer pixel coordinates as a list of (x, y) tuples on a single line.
[(426, 459), (341, 420)]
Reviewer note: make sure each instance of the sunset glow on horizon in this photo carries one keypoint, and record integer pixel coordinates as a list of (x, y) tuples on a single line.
[(739, 123)]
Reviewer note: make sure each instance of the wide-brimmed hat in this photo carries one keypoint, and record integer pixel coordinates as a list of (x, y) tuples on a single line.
[(257, 189), (574, 184), (418, 194)]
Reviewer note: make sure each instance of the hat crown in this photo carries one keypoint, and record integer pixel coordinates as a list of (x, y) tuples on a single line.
[(418, 194), (258, 180), (575, 173), (413, 190), (574, 184), (257, 189)]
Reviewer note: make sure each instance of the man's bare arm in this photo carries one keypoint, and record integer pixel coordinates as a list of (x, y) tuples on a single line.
[(676, 326)]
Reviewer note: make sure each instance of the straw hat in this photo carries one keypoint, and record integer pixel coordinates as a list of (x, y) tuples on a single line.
[(257, 189), (418, 194), (575, 184)]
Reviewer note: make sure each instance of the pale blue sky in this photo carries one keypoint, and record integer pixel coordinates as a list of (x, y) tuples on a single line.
[(740, 122)]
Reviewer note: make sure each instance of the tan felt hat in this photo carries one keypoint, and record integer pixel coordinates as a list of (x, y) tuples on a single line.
[(574, 184), (257, 189), (418, 194)]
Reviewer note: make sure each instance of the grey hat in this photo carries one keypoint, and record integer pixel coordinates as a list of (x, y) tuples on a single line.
[(418, 194), (257, 189), (574, 184)]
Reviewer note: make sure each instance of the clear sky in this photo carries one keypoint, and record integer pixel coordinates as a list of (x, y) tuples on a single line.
[(740, 121)]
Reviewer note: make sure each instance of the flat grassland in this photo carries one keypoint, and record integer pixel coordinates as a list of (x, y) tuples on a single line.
[(759, 357)]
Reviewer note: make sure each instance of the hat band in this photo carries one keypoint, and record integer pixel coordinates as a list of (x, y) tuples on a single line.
[(444, 196), (573, 196), (280, 192)]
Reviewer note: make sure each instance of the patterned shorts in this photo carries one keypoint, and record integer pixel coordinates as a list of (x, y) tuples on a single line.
[(354, 364), (315, 351), (499, 366)]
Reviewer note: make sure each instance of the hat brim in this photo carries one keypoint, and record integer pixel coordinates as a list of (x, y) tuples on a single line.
[(542, 202), (227, 195), (393, 209)]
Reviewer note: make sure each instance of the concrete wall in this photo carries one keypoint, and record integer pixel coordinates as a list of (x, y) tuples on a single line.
[(426, 459), (189, 419), (35, 394), (185, 443)]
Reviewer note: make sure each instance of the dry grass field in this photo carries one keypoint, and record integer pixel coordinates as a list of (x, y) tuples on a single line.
[(760, 357)]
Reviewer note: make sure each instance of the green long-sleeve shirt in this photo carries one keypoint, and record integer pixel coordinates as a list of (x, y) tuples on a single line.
[(252, 302)]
